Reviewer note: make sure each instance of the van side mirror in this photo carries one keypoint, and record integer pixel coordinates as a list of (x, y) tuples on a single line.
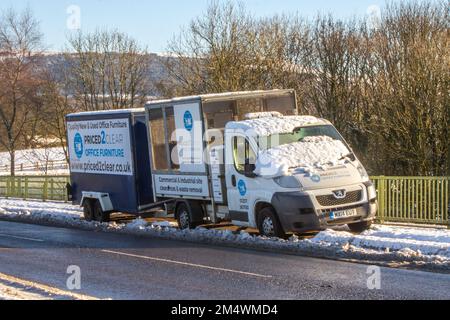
[(249, 169)]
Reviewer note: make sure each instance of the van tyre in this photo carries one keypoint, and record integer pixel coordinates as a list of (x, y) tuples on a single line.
[(360, 227), (183, 214), (99, 215), (189, 216), (269, 225), (88, 210)]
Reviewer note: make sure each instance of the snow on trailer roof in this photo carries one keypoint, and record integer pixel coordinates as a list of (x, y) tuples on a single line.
[(105, 112), (225, 95), (268, 126)]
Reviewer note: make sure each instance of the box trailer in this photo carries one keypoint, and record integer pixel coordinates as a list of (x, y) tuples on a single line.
[(249, 158), (109, 162)]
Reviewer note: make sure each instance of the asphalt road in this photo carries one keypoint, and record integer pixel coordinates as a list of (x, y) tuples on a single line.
[(126, 267)]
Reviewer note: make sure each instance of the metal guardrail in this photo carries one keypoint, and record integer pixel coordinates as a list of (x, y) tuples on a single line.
[(413, 199), (34, 187), (401, 199)]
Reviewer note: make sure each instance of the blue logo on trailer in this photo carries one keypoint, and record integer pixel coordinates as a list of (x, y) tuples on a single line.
[(242, 188), (78, 145), (315, 178), (188, 121)]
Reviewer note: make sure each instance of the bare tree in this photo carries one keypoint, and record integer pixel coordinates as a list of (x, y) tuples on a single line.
[(212, 54), (411, 95), (57, 103), (108, 71), (20, 42)]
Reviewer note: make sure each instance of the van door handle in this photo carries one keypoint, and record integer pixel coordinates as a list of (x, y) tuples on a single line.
[(233, 180)]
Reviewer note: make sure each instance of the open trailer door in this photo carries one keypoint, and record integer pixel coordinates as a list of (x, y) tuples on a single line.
[(177, 147)]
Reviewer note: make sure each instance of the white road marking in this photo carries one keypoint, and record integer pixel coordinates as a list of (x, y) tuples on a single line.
[(188, 264), (20, 237), (42, 287)]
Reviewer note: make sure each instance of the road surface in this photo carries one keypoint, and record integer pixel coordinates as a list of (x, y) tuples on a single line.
[(119, 266)]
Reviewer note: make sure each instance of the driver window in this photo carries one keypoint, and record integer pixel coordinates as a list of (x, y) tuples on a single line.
[(242, 153)]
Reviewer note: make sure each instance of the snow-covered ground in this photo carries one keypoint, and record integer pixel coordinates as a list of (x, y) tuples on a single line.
[(8, 292), (403, 245), (12, 288), (36, 162)]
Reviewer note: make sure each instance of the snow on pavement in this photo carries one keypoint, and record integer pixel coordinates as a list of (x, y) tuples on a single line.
[(8, 292), (419, 246)]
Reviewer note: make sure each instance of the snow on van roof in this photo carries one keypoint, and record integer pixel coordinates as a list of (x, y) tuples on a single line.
[(104, 112), (219, 95), (268, 126)]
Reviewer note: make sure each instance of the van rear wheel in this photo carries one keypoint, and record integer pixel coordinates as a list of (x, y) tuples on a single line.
[(189, 214), (183, 215), (269, 225)]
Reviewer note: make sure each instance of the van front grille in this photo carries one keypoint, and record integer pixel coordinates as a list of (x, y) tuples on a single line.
[(330, 200)]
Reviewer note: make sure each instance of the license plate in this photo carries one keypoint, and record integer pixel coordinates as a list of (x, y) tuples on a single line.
[(343, 214)]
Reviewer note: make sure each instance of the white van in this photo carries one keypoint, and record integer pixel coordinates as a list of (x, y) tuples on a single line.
[(247, 157)]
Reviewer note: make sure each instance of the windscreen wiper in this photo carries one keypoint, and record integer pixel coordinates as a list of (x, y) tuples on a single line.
[(350, 155)]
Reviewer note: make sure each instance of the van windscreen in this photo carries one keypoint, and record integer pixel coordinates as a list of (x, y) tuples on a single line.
[(298, 135)]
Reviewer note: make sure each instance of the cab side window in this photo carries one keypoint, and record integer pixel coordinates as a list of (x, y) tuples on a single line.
[(242, 153)]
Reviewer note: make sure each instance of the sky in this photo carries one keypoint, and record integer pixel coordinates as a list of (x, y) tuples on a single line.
[(154, 22)]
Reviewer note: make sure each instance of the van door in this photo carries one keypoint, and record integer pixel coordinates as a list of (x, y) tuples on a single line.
[(142, 159), (240, 189)]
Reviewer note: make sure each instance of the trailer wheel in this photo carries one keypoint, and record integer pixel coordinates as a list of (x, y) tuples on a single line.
[(88, 210), (99, 215), (269, 225)]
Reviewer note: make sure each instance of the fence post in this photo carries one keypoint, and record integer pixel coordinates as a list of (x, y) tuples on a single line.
[(447, 201), (381, 198), (26, 188), (13, 187), (45, 191), (7, 187), (51, 189), (18, 193), (66, 195)]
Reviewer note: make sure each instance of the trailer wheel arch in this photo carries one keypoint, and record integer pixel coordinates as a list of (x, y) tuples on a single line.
[(103, 198)]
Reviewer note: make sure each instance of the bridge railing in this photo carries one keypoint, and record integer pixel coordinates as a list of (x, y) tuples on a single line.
[(413, 199)]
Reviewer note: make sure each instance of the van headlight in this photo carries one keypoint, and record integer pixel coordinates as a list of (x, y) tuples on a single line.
[(371, 192), (362, 172), (290, 182)]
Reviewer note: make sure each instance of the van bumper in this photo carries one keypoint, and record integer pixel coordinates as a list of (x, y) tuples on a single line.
[(298, 212)]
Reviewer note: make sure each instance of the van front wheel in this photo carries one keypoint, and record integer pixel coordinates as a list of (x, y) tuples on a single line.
[(269, 225)]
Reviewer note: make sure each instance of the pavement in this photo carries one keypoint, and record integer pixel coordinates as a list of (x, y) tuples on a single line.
[(35, 259)]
